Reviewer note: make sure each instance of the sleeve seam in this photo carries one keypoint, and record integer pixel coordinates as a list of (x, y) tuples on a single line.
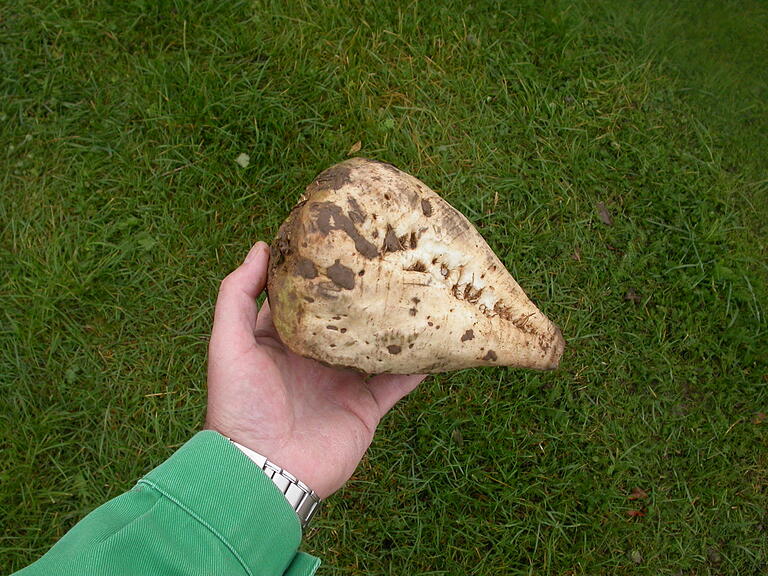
[(199, 519)]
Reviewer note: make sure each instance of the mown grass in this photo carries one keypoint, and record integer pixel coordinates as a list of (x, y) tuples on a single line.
[(122, 207)]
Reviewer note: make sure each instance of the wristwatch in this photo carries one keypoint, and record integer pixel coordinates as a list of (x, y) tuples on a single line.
[(301, 497)]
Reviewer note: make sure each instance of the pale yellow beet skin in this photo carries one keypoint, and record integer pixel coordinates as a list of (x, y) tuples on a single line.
[(374, 271)]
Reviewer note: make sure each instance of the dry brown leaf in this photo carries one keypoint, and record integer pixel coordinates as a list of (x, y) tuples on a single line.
[(632, 296), (576, 255), (355, 148), (605, 215), (637, 494), (635, 513)]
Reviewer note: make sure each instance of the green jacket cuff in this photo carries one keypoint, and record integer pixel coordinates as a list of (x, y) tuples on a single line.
[(219, 486)]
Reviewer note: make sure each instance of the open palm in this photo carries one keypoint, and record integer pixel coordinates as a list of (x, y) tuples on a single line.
[(314, 421)]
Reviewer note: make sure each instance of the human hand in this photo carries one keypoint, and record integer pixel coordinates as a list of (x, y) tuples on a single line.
[(314, 421)]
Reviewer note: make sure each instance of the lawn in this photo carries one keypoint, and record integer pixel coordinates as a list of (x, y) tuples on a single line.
[(613, 154)]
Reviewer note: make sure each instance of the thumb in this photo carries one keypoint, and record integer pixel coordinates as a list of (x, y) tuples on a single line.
[(236, 307)]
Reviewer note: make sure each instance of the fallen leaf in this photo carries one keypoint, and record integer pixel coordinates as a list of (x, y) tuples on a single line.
[(635, 513), (457, 437), (243, 160), (576, 255), (637, 494), (759, 418), (355, 148), (605, 215), (632, 296)]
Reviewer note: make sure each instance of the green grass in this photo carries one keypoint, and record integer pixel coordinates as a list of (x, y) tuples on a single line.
[(122, 207)]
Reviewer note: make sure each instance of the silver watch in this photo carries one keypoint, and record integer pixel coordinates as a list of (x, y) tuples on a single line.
[(301, 497)]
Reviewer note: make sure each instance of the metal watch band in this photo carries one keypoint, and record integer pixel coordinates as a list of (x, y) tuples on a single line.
[(301, 497)]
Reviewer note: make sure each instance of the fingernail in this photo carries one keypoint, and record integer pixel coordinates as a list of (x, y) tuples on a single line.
[(255, 249)]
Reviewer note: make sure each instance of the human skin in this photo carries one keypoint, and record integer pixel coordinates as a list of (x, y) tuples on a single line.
[(314, 421)]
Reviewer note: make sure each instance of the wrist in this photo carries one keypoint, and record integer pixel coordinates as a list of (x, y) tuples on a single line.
[(304, 501)]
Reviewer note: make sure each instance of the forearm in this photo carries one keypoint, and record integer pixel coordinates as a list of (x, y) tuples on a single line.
[(206, 510)]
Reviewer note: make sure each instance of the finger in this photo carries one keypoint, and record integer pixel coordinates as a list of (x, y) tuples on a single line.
[(236, 307), (389, 389)]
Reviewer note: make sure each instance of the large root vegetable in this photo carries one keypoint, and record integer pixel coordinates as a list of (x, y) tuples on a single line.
[(374, 271)]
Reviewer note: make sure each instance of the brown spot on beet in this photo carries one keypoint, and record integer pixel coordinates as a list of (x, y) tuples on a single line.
[(391, 241), (328, 217), (468, 335), (412, 311), (361, 273), (414, 242), (341, 276), (282, 247), (394, 349), (309, 299), (329, 327), (418, 267), (426, 207), (306, 268), (520, 322), (356, 213), (490, 356), (473, 297), (334, 177)]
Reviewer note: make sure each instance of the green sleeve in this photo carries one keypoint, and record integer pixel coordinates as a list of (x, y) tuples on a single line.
[(206, 510)]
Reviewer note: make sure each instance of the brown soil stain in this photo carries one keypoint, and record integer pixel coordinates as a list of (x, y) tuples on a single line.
[(391, 241), (329, 217), (490, 356), (306, 268), (334, 177), (341, 275)]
